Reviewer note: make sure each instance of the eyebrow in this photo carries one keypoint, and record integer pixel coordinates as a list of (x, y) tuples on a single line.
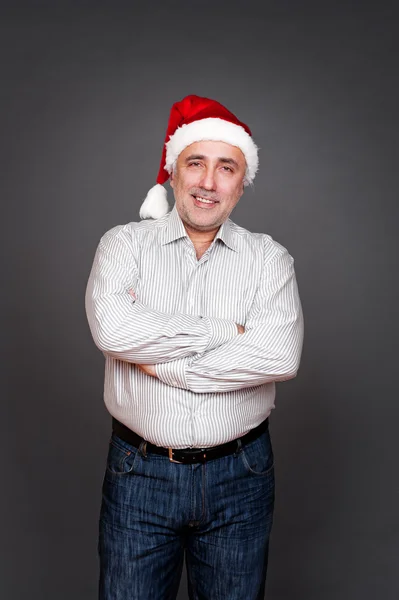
[(222, 159)]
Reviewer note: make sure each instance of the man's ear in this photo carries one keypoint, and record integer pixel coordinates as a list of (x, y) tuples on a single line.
[(171, 179)]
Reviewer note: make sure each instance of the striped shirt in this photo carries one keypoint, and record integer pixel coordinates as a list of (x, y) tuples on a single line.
[(213, 384)]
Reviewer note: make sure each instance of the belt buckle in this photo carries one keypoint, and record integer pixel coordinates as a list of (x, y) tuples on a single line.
[(170, 450)]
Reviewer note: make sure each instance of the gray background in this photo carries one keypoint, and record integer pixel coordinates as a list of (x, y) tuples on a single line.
[(86, 90)]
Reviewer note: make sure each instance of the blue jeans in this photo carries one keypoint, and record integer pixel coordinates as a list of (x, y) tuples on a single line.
[(218, 513)]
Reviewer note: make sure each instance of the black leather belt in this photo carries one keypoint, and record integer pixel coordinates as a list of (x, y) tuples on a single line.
[(188, 456)]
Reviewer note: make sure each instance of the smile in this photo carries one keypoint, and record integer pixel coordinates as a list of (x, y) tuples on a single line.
[(204, 201)]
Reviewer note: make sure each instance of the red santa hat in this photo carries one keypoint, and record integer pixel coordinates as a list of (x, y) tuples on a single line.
[(196, 119)]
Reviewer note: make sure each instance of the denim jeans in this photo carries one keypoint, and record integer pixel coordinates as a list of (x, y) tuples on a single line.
[(219, 514)]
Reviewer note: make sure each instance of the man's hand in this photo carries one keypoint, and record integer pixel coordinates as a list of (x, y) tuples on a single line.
[(240, 328), (148, 369)]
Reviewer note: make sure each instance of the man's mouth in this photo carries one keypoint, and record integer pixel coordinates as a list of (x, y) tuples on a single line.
[(200, 200)]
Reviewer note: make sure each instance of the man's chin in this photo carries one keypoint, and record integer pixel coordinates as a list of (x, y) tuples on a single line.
[(205, 224)]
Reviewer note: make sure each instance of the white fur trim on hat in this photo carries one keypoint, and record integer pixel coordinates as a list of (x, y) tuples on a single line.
[(155, 204), (216, 130)]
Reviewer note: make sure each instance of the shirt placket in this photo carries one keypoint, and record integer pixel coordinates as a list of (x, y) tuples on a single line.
[(194, 304)]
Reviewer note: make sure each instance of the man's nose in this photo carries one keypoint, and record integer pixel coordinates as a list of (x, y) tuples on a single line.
[(208, 179)]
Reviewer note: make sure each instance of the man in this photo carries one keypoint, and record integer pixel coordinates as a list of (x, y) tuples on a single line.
[(197, 319)]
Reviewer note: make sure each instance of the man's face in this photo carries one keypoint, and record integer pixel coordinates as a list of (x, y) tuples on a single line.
[(208, 181)]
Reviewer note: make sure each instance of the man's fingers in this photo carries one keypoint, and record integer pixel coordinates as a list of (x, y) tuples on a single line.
[(147, 369)]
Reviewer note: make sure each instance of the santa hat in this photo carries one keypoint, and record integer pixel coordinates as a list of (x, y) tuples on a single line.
[(196, 119)]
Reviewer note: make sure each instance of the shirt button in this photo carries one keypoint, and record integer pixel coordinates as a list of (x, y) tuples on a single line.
[(174, 382)]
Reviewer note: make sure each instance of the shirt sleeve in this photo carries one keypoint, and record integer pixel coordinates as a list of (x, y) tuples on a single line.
[(127, 329), (269, 350)]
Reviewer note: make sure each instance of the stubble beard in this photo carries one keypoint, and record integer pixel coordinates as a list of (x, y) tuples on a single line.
[(210, 226)]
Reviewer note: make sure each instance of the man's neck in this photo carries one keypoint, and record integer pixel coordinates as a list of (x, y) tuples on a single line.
[(200, 237)]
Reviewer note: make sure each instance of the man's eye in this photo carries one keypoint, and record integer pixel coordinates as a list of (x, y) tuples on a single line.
[(194, 164), (227, 169)]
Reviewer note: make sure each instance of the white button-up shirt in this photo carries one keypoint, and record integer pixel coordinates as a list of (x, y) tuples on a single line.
[(213, 383)]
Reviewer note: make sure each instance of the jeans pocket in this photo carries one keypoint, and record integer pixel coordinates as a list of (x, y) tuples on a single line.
[(257, 456), (121, 457)]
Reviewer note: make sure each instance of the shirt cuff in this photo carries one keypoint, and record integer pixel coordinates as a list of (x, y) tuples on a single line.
[(173, 373), (221, 331)]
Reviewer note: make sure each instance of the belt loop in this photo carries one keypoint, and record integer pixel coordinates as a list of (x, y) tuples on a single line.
[(239, 447), (143, 449)]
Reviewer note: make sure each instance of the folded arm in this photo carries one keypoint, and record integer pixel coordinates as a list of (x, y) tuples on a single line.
[(127, 329), (269, 349)]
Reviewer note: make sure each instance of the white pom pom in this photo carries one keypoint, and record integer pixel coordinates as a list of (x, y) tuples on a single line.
[(155, 204)]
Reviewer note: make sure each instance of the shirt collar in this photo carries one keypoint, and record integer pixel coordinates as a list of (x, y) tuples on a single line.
[(225, 234), (175, 230)]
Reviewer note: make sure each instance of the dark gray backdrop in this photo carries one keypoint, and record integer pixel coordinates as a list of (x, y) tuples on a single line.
[(86, 90)]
